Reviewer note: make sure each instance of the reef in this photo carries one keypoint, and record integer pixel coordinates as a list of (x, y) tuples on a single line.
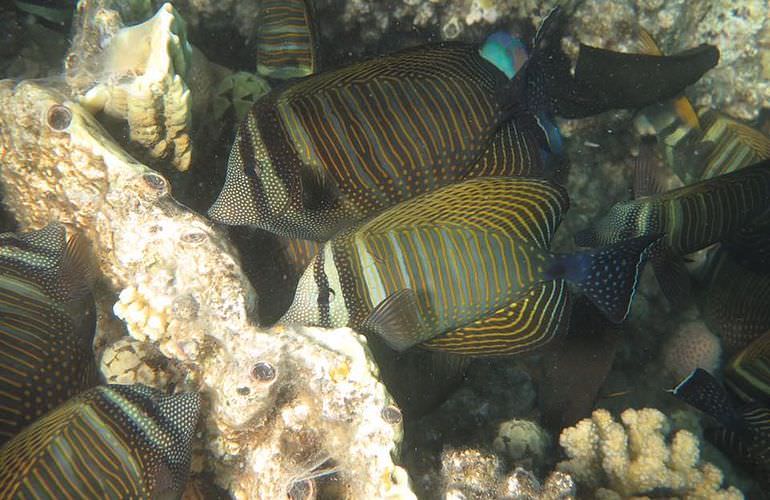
[(277, 404)]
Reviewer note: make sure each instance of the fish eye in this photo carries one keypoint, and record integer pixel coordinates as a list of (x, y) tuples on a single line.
[(59, 117)]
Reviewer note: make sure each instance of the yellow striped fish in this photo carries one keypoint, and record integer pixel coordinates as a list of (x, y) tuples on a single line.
[(464, 269), (743, 427), (286, 39), (47, 325), (690, 218), (324, 152), (111, 441)]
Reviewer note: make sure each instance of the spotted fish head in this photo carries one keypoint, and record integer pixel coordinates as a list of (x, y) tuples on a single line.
[(624, 220), (319, 300)]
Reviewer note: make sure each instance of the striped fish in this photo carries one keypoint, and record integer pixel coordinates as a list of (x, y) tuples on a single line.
[(690, 218), (47, 325), (736, 302), (465, 269), (286, 39), (111, 441), (322, 153), (743, 429)]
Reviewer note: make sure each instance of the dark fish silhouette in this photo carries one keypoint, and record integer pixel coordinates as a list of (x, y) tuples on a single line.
[(743, 429), (465, 269), (327, 151), (112, 441), (47, 325)]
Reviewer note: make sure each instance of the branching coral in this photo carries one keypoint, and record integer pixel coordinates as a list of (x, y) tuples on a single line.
[(277, 403), (637, 458)]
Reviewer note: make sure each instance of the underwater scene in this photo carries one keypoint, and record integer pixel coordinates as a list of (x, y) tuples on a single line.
[(385, 249)]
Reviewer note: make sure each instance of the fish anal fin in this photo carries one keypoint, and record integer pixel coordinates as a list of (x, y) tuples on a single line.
[(522, 326), (671, 273), (397, 320)]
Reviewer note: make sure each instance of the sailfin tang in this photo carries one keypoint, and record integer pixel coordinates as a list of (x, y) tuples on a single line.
[(607, 275), (748, 373), (397, 320), (522, 326), (702, 391), (287, 44)]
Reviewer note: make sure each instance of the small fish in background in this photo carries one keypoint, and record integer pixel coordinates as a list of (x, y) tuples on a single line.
[(111, 441), (327, 151), (57, 12), (735, 301), (465, 269), (287, 43), (690, 218), (47, 322), (743, 426)]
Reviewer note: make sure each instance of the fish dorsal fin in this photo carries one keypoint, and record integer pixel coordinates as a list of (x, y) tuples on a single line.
[(77, 267), (529, 209), (522, 326), (397, 320)]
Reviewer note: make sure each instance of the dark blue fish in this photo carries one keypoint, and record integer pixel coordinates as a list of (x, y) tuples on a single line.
[(47, 324), (112, 441), (743, 429), (328, 151)]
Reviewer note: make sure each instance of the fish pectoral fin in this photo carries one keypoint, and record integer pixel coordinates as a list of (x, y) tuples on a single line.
[(397, 320), (524, 325)]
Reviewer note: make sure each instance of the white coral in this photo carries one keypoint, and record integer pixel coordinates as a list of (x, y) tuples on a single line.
[(173, 265), (635, 457)]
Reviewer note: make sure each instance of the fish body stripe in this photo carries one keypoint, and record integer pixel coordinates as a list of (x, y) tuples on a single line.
[(467, 250), (286, 44), (101, 457), (711, 211), (522, 326)]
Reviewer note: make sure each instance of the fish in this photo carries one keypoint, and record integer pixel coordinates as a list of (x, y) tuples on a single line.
[(748, 373), (287, 43), (111, 441), (59, 12), (47, 323), (320, 154), (743, 427), (690, 218), (465, 269), (736, 302)]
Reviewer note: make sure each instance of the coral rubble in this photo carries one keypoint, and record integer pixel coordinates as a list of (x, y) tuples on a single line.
[(277, 403)]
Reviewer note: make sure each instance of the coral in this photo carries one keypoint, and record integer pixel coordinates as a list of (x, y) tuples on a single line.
[(523, 440), (523, 485), (137, 73), (278, 403), (691, 346), (637, 457)]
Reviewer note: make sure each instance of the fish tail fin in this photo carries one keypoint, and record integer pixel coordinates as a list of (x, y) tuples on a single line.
[(603, 79), (607, 275), (701, 390)]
